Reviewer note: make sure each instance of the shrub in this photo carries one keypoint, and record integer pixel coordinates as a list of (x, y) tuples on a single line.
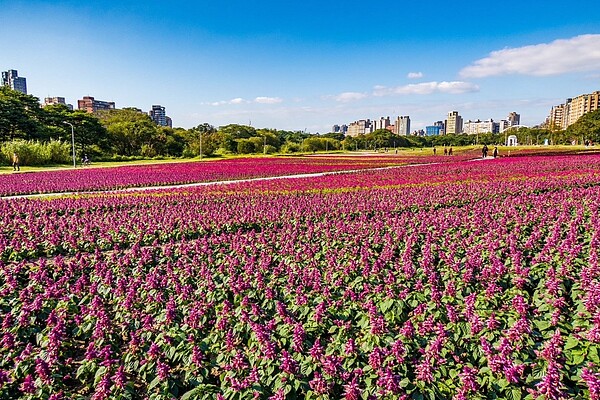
[(35, 153)]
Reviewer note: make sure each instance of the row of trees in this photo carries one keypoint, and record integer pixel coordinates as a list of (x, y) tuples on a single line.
[(130, 133)]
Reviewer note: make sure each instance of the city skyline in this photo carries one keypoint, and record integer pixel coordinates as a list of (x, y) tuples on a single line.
[(307, 66)]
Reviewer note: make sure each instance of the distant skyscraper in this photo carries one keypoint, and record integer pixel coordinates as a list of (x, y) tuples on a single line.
[(91, 105), (514, 119), (360, 127), (382, 123), (158, 115), (402, 126), (454, 123), (12, 79)]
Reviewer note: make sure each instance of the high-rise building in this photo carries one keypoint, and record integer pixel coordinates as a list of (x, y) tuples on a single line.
[(12, 79), (402, 125), (557, 119), (564, 115), (454, 123), (581, 105), (91, 105), (479, 127), (382, 123), (360, 127), (514, 119), (441, 125), (158, 115)]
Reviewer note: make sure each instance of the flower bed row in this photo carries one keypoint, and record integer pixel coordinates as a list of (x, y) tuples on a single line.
[(99, 179)]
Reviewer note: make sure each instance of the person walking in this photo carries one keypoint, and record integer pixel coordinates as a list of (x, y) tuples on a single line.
[(495, 151), (484, 151), (434, 150), (450, 151), (15, 161)]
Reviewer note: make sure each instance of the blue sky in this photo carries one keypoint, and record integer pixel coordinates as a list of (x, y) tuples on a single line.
[(310, 64)]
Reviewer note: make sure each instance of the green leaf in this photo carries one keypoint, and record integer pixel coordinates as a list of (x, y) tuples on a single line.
[(154, 382), (572, 342)]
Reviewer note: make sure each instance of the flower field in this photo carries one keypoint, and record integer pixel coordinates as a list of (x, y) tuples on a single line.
[(461, 280), (101, 179)]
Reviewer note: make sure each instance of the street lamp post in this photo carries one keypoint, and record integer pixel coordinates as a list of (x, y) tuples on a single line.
[(72, 142)]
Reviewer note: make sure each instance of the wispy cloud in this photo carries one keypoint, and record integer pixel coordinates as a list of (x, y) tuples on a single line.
[(239, 100), (414, 75), (455, 87), (268, 100), (348, 96), (580, 53)]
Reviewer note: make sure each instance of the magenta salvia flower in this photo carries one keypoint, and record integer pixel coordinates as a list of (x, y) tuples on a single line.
[(424, 370), (551, 386), (42, 370), (592, 380), (288, 364), (352, 391), (28, 385), (162, 370), (318, 384)]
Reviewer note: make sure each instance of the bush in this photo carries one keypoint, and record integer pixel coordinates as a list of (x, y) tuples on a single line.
[(245, 146), (290, 147), (36, 153)]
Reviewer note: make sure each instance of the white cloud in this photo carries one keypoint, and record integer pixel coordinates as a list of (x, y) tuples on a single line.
[(580, 53), (348, 96), (237, 100), (455, 87), (414, 75), (268, 100)]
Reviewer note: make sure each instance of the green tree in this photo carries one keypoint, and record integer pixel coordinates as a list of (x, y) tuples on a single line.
[(587, 128), (129, 130), (20, 115)]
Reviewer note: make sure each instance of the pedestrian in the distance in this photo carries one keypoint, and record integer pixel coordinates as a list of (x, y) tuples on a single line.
[(450, 151), (16, 164), (445, 151), (495, 151), (484, 151), (434, 150)]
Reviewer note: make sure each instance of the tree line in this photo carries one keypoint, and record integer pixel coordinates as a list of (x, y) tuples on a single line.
[(44, 134)]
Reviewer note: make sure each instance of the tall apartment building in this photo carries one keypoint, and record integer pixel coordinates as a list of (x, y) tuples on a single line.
[(514, 119), (382, 123), (454, 123), (480, 127), (12, 79), (339, 128), (158, 115), (91, 105), (402, 125), (359, 127), (556, 120), (581, 105), (564, 115), (441, 125)]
